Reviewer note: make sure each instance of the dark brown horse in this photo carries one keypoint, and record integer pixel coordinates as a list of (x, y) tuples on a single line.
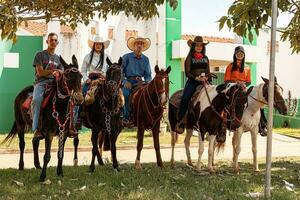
[(148, 105), (103, 116), (55, 116)]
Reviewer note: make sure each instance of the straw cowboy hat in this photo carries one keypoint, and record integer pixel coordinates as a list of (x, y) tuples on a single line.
[(197, 39), (132, 40), (98, 39)]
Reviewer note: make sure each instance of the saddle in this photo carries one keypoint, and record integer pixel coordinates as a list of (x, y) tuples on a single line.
[(47, 96), (90, 95)]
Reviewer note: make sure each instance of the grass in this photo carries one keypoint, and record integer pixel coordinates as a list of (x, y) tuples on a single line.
[(126, 138), (180, 183), (288, 132)]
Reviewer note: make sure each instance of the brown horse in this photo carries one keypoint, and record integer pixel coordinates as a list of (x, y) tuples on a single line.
[(148, 104), (55, 116)]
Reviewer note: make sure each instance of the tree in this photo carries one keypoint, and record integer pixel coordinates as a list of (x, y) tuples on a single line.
[(70, 12), (246, 15)]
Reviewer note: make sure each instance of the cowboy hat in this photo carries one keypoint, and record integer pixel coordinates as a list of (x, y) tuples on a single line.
[(197, 39), (132, 40), (98, 39)]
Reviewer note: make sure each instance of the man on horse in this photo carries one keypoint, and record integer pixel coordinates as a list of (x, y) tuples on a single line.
[(136, 68), (46, 64)]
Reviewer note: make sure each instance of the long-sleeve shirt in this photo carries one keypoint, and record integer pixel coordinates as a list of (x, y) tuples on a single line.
[(88, 68), (133, 66)]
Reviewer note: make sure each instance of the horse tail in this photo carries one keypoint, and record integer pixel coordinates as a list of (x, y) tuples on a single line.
[(13, 132), (220, 146)]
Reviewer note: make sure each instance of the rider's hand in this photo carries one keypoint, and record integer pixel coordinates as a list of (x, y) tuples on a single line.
[(88, 81), (128, 85), (56, 74)]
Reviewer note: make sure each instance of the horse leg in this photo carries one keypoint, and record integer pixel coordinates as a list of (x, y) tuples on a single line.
[(236, 141), (155, 135), (254, 149), (47, 155), (35, 145), (59, 170), (173, 142), (21, 147), (94, 139), (99, 150), (75, 143), (211, 152), (200, 150), (187, 141), (113, 149), (139, 147)]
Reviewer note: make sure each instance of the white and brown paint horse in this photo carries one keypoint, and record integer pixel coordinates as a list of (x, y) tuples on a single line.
[(257, 99), (207, 107)]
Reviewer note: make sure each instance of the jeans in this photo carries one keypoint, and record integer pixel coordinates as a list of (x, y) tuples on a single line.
[(189, 89), (126, 92), (37, 99)]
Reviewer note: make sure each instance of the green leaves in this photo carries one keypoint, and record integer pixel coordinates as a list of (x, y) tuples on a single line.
[(71, 12), (243, 16)]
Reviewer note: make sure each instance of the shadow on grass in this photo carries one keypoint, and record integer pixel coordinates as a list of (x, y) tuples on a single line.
[(180, 182)]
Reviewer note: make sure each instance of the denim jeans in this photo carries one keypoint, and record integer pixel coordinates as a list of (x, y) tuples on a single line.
[(126, 92), (189, 89), (37, 99)]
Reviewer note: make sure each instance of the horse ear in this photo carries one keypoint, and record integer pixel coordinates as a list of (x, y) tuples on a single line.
[(265, 80), (63, 62), (168, 69), (156, 69), (275, 79), (120, 61), (74, 61), (108, 61)]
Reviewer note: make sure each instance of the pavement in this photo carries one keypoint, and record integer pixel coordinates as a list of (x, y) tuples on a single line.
[(283, 146)]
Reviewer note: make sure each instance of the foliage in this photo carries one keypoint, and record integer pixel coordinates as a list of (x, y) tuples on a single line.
[(245, 15), (292, 104), (71, 12)]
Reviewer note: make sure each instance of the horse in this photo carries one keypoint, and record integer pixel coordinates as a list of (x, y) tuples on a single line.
[(148, 104), (103, 115), (55, 117), (257, 99), (205, 115)]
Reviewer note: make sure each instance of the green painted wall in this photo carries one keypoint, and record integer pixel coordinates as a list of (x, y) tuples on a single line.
[(253, 69), (254, 41), (173, 32), (12, 80)]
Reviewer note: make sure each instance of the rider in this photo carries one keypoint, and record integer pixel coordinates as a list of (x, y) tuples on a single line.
[(46, 64), (196, 67), (238, 72), (135, 67)]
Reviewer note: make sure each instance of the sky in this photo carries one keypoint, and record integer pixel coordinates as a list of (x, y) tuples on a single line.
[(201, 16)]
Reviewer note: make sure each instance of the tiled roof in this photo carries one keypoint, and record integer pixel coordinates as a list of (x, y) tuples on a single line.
[(210, 39), (40, 28)]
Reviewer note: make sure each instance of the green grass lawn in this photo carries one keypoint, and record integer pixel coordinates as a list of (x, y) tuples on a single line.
[(288, 132), (180, 183), (126, 138)]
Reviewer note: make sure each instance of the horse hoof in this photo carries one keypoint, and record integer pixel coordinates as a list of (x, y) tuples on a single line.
[(138, 165), (236, 171), (38, 167), (211, 170), (75, 162), (92, 169), (21, 168), (190, 163), (256, 171)]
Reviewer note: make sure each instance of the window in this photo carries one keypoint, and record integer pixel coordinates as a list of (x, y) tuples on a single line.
[(130, 33), (110, 33)]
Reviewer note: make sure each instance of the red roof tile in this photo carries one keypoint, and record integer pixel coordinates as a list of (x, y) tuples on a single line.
[(40, 28), (210, 39)]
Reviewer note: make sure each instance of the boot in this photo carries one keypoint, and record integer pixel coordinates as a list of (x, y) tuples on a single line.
[(73, 133), (38, 135), (179, 128)]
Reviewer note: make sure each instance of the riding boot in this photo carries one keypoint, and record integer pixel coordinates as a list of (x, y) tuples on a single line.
[(179, 128), (262, 126), (73, 133), (38, 134)]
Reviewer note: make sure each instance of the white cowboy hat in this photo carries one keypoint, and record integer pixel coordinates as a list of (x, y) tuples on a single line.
[(132, 40), (98, 39)]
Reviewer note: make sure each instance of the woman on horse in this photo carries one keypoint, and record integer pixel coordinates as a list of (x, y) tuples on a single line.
[(196, 67), (94, 64), (238, 72)]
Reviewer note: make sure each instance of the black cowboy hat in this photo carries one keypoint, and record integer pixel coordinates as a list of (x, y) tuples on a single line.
[(197, 39)]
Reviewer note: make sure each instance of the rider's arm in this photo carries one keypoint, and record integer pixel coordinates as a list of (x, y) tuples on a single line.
[(147, 73), (187, 67), (227, 76), (84, 68), (248, 75), (208, 71), (43, 72)]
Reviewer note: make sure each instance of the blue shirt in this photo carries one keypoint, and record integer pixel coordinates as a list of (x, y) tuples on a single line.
[(133, 66)]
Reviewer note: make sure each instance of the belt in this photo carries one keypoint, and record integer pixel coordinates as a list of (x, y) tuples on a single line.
[(137, 78)]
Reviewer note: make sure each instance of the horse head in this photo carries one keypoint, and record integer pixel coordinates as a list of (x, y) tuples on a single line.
[(161, 84), (237, 98), (71, 80), (279, 102), (113, 77)]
